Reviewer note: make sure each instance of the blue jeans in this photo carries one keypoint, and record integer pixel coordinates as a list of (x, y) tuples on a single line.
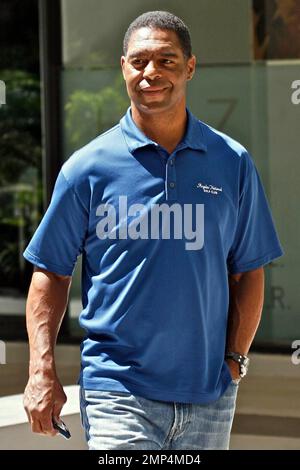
[(119, 420)]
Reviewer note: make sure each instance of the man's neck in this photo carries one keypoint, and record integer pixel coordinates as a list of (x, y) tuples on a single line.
[(165, 128)]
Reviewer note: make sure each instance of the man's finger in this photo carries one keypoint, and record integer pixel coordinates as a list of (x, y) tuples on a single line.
[(28, 416), (45, 420), (36, 426), (57, 410)]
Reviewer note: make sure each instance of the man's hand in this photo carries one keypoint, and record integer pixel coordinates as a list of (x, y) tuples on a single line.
[(43, 400), (234, 369)]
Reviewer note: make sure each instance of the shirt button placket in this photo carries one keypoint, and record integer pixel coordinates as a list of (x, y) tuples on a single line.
[(171, 186)]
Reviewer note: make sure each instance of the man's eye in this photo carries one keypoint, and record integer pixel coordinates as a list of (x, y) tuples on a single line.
[(138, 61), (167, 61)]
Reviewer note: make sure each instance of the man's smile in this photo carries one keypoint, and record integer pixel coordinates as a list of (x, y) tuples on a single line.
[(153, 92)]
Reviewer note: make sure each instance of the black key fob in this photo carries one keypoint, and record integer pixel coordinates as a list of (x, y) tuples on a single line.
[(61, 428)]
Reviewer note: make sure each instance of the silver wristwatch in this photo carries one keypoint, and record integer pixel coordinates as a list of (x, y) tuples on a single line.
[(242, 360)]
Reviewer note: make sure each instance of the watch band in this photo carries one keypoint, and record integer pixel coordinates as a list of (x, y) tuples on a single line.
[(242, 360), (237, 357)]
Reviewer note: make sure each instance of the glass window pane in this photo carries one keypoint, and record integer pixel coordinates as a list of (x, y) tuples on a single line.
[(276, 29), (93, 30), (20, 152)]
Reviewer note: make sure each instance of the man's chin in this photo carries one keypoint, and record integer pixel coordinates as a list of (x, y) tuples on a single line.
[(153, 105)]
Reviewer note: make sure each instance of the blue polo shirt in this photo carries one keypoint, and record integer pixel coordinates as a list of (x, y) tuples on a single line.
[(155, 284)]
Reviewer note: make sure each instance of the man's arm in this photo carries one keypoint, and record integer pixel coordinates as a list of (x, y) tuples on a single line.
[(246, 291), (46, 305)]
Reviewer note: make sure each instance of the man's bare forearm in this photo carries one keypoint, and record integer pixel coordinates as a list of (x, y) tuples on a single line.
[(45, 308), (245, 308), (46, 304)]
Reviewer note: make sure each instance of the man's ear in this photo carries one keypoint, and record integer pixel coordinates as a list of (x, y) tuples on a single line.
[(191, 64), (122, 61)]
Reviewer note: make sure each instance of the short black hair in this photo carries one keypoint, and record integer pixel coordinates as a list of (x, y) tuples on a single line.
[(161, 20)]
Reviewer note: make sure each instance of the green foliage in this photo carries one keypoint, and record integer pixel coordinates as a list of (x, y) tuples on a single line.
[(20, 126), (20, 170), (90, 113)]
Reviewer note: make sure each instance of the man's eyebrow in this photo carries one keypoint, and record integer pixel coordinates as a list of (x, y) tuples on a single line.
[(143, 53), (169, 54)]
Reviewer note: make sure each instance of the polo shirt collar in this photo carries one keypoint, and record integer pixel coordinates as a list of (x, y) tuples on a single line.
[(194, 137)]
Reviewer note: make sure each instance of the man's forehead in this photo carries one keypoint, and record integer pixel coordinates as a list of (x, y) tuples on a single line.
[(152, 40), (163, 50)]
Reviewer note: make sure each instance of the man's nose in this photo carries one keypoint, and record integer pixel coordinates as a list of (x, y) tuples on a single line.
[(151, 71)]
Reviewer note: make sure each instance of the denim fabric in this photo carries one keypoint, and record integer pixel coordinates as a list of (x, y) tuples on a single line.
[(119, 420)]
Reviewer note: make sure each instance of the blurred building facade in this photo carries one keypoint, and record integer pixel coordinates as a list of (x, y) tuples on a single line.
[(60, 63)]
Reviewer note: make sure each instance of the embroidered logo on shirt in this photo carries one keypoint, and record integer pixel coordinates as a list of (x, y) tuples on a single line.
[(209, 188)]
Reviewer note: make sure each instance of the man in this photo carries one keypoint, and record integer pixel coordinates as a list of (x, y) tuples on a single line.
[(174, 228)]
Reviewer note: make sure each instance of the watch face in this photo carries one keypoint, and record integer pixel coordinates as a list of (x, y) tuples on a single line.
[(243, 362), (244, 366), (243, 370)]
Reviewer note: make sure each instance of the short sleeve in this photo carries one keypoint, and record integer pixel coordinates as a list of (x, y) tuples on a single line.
[(59, 238), (255, 240)]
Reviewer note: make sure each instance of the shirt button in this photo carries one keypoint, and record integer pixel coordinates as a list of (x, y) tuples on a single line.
[(172, 162), (172, 184)]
